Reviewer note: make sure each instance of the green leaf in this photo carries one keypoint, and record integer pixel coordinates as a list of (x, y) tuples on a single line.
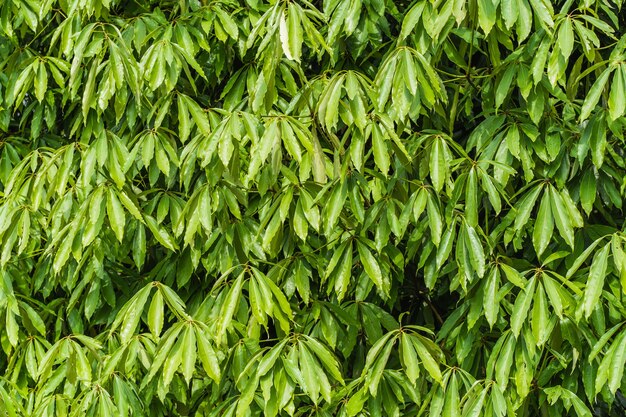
[(617, 100), (12, 329), (130, 205), (544, 225), (543, 10), (172, 362), (603, 341), (471, 199), (561, 217), (326, 358), (434, 220), (505, 362), (582, 258), (539, 61), (431, 365), (161, 235), (228, 308), (207, 356), (566, 37), (34, 318), (486, 15), (130, 314), (438, 164), (593, 96), (476, 251), (588, 191), (310, 373), (356, 402), (377, 365), (491, 303), (227, 22), (155, 315), (335, 206), (492, 192), (379, 147), (41, 82), (331, 106), (618, 361), (188, 353), (116, 214), (554, 295), (504, 85), (410, 20), (167, 353), (452, 403), (521, 307), (595, 282), (268, 361), (409, 358), (343, 273), (510, 12), (372, 269), (7, 403), (540, 321), (525, 206), (83, 366), (445, 246)]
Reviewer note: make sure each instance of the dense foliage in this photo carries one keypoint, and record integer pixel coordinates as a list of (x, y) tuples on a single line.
[(297, 208)]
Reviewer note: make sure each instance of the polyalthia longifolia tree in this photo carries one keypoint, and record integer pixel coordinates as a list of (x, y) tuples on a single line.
[(312, 208)]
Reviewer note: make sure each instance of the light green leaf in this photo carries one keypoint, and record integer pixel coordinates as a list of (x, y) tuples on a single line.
[(566, 38), (116, 214), (161, 235), (510, 12), (188, 353), (544, 225), (228, 308), (595, 282), (431, 365), (617, 98), (380, 150), (525, 206), (434, 220), (438, 164), (372, 269), (155, 314), (409, 358), (593, 96), (486, 15), (561, 217), (540, 321), (491, 304), (521, 307), (476, 251), (207, 356)]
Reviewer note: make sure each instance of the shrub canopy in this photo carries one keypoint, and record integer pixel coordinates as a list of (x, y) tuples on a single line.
[(312, 208)]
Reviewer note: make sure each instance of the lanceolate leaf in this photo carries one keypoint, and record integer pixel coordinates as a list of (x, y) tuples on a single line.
[(561, 217), (595, 282), (594, 94), (371, 266), (228, 308), (544, 225), (522, 306)]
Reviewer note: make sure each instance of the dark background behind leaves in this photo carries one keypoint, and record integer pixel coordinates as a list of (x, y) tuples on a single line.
[(347, 207)]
